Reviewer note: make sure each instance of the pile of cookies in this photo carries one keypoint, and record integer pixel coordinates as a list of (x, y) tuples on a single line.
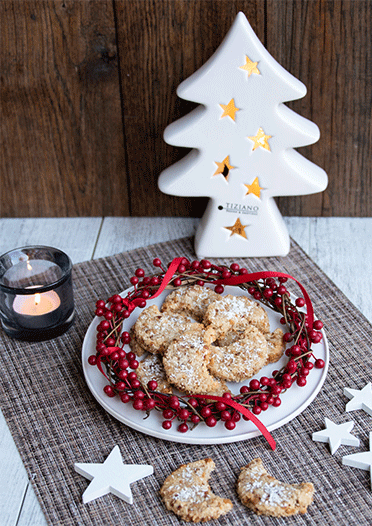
[(187, 493), (199, 340)]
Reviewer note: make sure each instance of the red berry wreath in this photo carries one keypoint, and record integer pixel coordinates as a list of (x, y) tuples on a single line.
[(266, 287)]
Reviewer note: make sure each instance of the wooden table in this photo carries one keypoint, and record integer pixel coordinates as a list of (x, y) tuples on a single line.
[(340, 246)]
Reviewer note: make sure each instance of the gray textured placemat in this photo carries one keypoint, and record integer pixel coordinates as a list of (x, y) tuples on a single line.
[(56, 422)]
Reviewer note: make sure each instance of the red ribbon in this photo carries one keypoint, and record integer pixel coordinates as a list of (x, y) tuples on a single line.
[(238, 280), (244, 278), (100, 368), (244, 411), (168, 276)]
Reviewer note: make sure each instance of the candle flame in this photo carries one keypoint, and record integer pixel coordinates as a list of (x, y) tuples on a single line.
[(29, 267), (37, 298)]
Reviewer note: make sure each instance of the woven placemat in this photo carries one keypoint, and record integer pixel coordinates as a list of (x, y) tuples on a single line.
[(55, 421)]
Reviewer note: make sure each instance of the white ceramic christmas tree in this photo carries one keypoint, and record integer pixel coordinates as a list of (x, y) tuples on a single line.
[(242, 138)]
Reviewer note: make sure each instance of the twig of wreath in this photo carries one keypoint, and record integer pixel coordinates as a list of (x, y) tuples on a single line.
[(118, 366)]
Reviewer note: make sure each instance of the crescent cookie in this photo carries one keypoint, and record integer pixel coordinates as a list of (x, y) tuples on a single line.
[(154, 330), (274, 341), (191, 301), (134, 345), (187, 493), (275, 345), (234, 313), (186, 364), (265, 495), (241, 359), (151, 368)]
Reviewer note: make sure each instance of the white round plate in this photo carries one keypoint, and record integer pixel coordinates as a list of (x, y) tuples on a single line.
[(294, 401)]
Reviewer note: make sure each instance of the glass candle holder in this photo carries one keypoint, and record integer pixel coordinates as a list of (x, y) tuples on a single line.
[(36, 295)]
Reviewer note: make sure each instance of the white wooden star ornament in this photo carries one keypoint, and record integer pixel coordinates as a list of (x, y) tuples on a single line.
[(113, 476), (336, 434), (361, 460), (360, 399)]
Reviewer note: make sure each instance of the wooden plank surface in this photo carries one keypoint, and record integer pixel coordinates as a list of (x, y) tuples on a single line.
[(75, 236), (340, 246), (87, 89), (328, 46), (343, 247), (14, 481), (62, 151), (162, 42), (120, 234)]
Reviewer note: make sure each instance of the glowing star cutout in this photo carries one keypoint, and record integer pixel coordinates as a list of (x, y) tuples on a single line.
[(229, 110), (237, 228), (250, 67), (361, 460), (224, 168), (336, 435), (112, 477), (260, 139), (230, 75), (360, 399), (254, 188)]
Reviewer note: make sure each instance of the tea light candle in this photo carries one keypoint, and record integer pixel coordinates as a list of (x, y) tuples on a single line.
[(35, 309), (36, 299), (38, 304)]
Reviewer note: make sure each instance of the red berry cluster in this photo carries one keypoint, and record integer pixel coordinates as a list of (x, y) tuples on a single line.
[(258, 395)]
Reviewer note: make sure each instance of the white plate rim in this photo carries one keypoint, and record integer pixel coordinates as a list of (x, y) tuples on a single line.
[(140, 424)]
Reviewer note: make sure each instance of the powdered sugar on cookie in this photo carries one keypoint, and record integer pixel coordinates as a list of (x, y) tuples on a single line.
[(154, 330), (232, 343), (265, 495), (192, 301), (234, 313), (242, 359), (151, 368), (187, 493), (186, 364)]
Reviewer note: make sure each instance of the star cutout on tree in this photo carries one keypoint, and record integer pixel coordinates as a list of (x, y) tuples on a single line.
[(336, 435), (237, 228), (254, 188), (224, 167), (112, 477), (229, 110), (360, 399), (260, 139), (361, 460), (250, 67)]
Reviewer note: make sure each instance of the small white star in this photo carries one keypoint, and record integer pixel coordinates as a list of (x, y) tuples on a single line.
[(361, 460), (360, 399), (112, 477), (336, 435)]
